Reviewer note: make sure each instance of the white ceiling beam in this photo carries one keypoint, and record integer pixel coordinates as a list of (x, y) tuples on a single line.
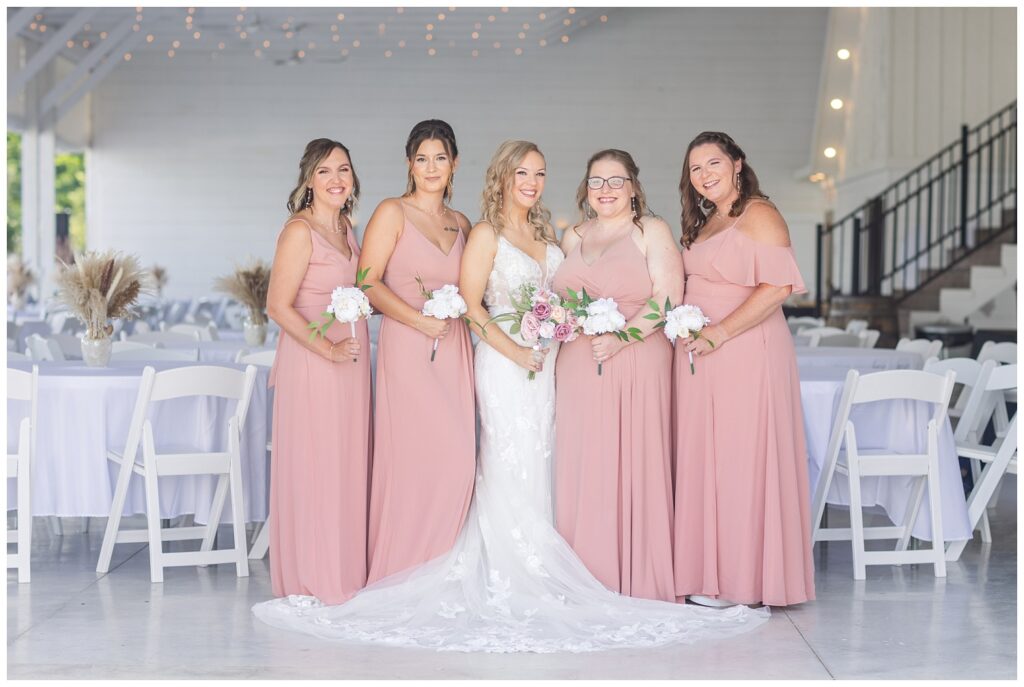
[(85, 64), (48, 51), (98, 74), (19, 20)]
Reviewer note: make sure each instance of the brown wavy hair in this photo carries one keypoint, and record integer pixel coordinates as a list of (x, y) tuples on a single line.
[(316, 152), (432, 130), (694, 218), (626, 160), (498, 183)]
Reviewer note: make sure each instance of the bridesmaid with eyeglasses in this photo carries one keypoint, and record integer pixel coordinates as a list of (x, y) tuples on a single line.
[(613, 478), (424, 448)]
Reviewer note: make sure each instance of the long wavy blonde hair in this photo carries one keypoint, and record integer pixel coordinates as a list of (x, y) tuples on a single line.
[(498, 183)]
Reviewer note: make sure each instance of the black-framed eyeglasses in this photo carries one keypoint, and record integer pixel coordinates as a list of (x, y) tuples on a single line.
[(597, 183)]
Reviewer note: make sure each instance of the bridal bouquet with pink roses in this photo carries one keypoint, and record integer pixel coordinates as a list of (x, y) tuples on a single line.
[(539, 318)]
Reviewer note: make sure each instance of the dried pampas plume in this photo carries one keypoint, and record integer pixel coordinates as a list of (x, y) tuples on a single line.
[(248, 285), (19, 278), (100, 286)]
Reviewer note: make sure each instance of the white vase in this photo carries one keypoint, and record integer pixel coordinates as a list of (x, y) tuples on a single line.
[(255, 334), (96, 352)]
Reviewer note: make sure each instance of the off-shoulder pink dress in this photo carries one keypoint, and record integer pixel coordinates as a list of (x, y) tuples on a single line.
[(321, 447), (742, 518), (613, 495), (424, 452)]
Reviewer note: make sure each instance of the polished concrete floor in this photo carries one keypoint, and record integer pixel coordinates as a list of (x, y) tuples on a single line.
[(900, 623)]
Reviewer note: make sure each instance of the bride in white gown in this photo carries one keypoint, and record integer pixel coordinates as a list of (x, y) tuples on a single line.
[(510, 583)]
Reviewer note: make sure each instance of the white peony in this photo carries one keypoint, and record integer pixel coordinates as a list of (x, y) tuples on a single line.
[(683, 321), (603, 316), (547, 330), (445, 303), (348, 304)]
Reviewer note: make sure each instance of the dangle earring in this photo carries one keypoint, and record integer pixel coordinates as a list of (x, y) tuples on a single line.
[(500, 195), (704, 208), (308, 200), (739, 185), (633, 204)]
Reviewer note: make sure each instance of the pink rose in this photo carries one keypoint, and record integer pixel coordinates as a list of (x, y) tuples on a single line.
[(572, 320), (563, 332), (542, 296), (557, 313), (542, 311), (530, 327)]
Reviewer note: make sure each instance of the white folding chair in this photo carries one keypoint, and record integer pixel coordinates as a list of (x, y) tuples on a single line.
[(161, 337), (261, 544), (923, 347), (869, 338), (156, 386), (856, 326), (999, 457), (836, 338), (844, 457), (261, 358), (41, 348), (205, 332), (1004, 352), (155, 353), (23, 386), (798, 323)]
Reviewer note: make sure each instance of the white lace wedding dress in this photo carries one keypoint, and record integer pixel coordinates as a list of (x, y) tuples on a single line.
[(510, 583)]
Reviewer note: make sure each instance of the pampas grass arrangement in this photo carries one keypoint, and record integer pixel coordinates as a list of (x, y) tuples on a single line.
[(100, 286), (19, 277), (248, 285), (158, 273)]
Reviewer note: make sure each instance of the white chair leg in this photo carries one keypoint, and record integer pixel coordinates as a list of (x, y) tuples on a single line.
[(262, 543), (54, 523), (24, 521), (216, 509), (856, 509), (114, 520), (156, 544), (935, 507), (910, 517), (238, 515), (983, 524)]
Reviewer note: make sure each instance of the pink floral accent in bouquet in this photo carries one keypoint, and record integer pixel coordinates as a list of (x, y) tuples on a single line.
[(539, 318)]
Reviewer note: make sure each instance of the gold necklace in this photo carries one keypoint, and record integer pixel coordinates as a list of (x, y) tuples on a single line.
[(341, 227)]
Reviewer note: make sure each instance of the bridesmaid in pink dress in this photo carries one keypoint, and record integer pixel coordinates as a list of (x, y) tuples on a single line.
[(742, 512), (424, 455), (321, 425), (613, 499)]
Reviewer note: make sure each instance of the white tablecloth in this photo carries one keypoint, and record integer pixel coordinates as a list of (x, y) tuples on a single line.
[(863, 360), (218, 351), (84, 411), (880, 425)]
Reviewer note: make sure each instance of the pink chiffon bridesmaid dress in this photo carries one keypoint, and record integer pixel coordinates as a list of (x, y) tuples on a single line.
[(613, 495), (424, 457), (321, 447), (742, 523)]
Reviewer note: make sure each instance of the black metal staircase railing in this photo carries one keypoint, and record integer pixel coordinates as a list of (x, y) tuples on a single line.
[(928, 220)]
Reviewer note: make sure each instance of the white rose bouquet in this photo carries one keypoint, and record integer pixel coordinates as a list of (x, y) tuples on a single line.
[(600, 316), (444, 303), (348, 304), (683, 321)]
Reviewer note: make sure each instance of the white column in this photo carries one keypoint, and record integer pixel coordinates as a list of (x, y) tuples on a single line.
[(38, 192)]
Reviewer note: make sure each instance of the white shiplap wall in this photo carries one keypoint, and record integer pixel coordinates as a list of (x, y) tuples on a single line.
[(192, 158)]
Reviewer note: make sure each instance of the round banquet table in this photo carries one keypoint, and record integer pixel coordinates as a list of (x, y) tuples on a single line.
[(84, 411)]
